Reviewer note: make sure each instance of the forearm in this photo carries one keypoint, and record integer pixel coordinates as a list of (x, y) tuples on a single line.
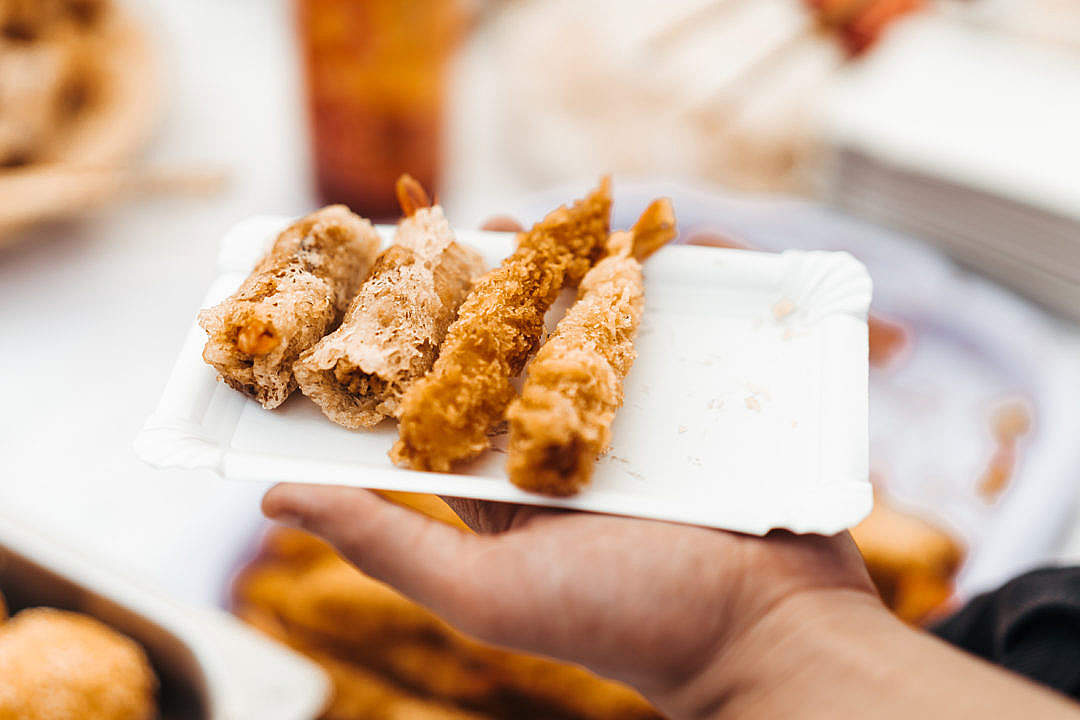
[(839, 654)]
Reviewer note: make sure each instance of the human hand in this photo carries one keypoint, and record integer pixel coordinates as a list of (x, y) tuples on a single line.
[(650, 603)]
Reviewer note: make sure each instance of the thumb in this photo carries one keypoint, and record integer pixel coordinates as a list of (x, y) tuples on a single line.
[(423, 558)]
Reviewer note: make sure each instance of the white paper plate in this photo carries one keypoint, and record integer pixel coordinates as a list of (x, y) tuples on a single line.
[(971, 345), (746, 408), (211, 666)]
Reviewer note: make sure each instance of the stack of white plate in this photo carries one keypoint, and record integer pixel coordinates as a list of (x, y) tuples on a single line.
[(968, 138)]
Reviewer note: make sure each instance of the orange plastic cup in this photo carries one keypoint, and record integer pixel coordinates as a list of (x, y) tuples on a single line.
[(376, 78)]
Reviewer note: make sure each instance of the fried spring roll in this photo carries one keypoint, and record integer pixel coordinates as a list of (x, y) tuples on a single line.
[(362, 692), (297, 292), (562, 421), (446, 416), (394, 327)]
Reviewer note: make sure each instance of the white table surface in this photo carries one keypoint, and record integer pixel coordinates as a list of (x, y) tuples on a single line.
[(92, 312)]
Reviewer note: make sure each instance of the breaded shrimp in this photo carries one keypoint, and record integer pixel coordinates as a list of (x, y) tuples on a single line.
[(446, 416), (562, 421)]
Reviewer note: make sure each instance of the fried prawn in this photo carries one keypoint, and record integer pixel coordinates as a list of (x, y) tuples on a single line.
[(562, 421), (446, 416)]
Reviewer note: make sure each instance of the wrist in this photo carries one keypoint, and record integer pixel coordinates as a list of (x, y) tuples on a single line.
[(774, 662)]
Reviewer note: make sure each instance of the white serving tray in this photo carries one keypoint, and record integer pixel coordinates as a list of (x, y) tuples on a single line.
[(746, 408), (210, 665)]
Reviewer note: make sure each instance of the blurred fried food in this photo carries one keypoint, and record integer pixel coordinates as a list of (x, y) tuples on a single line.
[(56, 664), (363, 693), (330, 604), (48, 72), (29, 20), (887, 339), (858, 24), (1009, 422), (912, 562), (430, 505), (391, 658)]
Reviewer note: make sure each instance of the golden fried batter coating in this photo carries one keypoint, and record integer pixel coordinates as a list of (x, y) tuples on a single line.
[(324, 607), (294, 548), (360, 693), (392, 331), (333, 603), (561, 690), (912, 563), (562, 420), (363, 693), (30, 20), (57, 665), (447, 415), (295, 295), (430, 505)]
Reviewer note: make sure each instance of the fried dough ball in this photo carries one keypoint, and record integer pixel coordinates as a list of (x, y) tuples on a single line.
[(58, 665)]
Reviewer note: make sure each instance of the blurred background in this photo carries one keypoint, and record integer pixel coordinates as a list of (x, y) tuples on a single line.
[(934, 139)]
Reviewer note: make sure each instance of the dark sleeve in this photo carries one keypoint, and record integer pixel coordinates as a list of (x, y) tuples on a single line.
[(1031, 625)]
